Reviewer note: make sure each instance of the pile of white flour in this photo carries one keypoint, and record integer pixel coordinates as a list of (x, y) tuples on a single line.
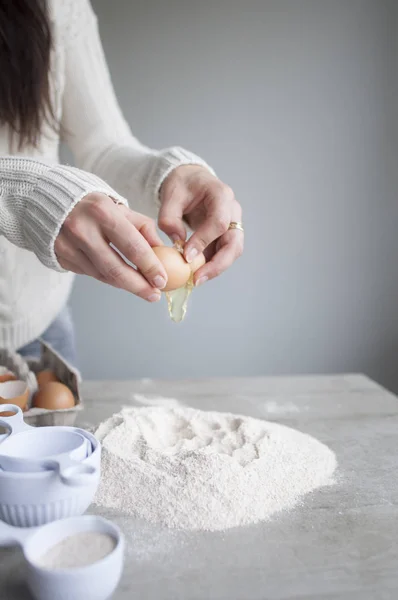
[(192, 469)]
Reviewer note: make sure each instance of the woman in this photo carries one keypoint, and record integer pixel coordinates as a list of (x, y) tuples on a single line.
[(57, 220)]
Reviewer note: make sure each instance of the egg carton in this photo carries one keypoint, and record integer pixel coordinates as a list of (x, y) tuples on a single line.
[(26, 369)]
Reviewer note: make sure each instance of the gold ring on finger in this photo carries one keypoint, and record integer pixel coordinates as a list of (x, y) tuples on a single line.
[(236, 225)]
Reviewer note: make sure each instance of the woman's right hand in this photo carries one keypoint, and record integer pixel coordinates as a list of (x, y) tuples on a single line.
[(82, 246)]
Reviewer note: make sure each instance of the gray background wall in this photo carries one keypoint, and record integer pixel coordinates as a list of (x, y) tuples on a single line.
[(293, 102)]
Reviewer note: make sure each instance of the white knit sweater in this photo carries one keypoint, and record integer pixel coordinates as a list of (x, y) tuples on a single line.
[(36, 193)]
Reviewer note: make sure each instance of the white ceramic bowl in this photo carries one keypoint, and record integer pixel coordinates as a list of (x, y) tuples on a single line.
[(93, 582), (96, 581), (33, 499), (31, 450)]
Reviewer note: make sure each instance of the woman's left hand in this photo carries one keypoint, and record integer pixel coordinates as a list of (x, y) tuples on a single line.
[(192, 194)]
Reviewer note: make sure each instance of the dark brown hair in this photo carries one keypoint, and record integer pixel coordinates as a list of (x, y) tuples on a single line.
[(25, 54)]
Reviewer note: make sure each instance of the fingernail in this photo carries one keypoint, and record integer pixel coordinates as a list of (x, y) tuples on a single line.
[(175, 237), (153, 298), (201, 281), (191, 254), (159, 281)]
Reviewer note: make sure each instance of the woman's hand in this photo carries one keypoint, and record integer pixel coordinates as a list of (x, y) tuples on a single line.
[(193, 194), (82, 246)]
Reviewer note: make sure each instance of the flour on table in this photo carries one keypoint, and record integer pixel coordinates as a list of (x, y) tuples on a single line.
[(191, 469), (280, 408), (155, 400)]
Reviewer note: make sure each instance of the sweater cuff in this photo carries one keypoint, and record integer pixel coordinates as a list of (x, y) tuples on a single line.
[(55, 195), (169, 160)]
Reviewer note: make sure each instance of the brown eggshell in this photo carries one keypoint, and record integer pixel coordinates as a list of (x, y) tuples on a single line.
[(54, 396), (14, 392), (177, 269), (6, 375), (45, 376)]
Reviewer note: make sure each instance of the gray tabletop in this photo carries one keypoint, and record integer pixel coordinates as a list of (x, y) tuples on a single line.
[(341, 542)]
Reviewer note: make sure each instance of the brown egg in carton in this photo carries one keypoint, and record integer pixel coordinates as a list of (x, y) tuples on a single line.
[(39, 377)]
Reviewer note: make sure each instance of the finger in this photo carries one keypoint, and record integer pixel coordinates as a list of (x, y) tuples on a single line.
[(92, 272), (171, 213), (145, 225), (132, 244), (115, 271), (231, 249), (111, 225), (72, 256), (219, 211)]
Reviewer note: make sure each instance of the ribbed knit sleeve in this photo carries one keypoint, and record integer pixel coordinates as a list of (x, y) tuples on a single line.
[(95, 128), (36, 198)]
